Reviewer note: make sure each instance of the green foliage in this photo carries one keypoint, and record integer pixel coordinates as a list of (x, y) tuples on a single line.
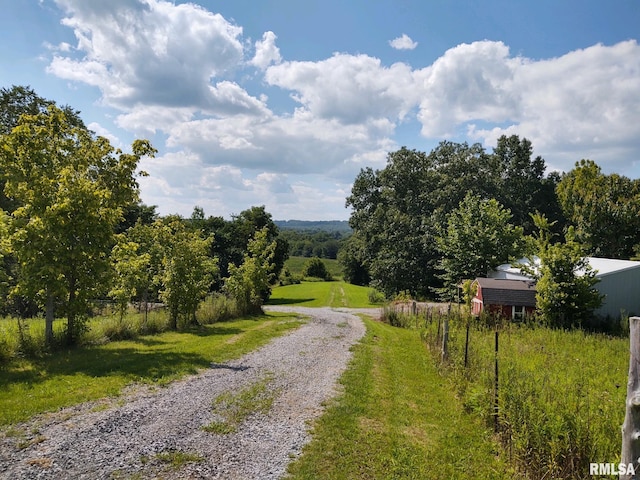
[(232, 239), (352, 257), (565, 290), (477, 238), (217, 307), (70, 188), (315, 267), (321, 244), (398, 211), (375, 296), (188, 271), (604, 209), (561, 393), (249, 284), (130, 272)]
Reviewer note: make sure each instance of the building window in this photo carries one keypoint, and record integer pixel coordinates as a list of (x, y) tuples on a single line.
[(517, 312)]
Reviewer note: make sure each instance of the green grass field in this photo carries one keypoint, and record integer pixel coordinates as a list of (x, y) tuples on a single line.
[(397, 418), (321, 294), (296, 265), (32, 386)]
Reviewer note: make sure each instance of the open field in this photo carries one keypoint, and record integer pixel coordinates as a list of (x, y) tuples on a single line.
[(68, 377), (296, 265), (320, 294)]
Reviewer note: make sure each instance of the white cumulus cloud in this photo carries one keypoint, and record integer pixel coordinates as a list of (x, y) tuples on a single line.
[(403, 42), (266, 51)]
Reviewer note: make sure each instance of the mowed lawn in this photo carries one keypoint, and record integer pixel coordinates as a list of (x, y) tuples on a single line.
[(322, 294), (397, 418), (64, 378)]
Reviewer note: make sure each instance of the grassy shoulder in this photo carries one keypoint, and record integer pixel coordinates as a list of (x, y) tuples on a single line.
[(322, 294), (397, 418), (32, 386)]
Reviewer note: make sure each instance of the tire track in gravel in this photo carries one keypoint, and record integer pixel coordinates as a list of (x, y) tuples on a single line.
[(125, 439)]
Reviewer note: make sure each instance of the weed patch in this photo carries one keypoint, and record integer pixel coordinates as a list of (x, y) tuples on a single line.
[(561, 393), (235, 408), (177, 458)]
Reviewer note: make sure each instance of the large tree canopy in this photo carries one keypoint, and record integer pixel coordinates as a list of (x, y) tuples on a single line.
[(604, 209), (69, 189), (399, 211), (477, 238)]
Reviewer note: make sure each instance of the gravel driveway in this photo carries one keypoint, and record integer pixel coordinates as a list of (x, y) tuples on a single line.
[(128, 437)]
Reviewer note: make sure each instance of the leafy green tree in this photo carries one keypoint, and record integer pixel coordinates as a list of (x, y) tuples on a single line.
[(232, 237), (565, 291), (5, 247), (315, 267), (130, 273), (249, 283), (477, 238), (521, 183), (352, 258), (188, 270), (400, 210), (604, 209), (150, 242), (71, 188)]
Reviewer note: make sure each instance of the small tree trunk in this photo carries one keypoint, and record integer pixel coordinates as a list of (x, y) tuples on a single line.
[(48, 319), (445, 339), (71, 313), (631, 425)]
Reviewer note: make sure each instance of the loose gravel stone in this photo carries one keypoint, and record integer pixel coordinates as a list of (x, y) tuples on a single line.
[(139, 433)]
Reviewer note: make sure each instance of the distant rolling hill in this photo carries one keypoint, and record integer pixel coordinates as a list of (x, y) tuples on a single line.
[(320, 225)]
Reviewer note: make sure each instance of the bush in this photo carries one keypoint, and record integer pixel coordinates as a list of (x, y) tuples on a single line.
[(315, 267), (376, 296), (287, 278), (217, 308)]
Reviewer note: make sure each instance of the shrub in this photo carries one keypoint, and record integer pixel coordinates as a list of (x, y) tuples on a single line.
[(376, 296), (287, 278), (315, 267), (217, 308)]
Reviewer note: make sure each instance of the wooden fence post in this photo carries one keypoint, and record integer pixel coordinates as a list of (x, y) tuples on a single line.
[(466, 346), (496, 408), (631, 425)]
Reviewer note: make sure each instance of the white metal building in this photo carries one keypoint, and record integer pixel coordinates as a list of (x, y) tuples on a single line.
[(619, 283)]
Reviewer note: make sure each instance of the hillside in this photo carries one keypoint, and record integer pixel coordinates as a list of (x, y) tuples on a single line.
[(312, 225)]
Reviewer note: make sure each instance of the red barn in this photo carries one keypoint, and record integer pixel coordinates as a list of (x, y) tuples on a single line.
[(513, 299)]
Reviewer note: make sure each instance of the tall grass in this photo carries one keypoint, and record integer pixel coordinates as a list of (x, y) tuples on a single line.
[(26, 337), (561, 394)]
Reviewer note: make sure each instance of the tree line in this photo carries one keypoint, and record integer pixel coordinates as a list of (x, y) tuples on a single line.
[(73, 228), (321, 244), (426, 222)]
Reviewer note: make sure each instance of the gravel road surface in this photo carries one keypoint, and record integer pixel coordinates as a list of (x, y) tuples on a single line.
[(128, 437)]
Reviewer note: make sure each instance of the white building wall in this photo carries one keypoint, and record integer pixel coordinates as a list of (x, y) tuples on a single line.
[(619, 282), (622, 293)]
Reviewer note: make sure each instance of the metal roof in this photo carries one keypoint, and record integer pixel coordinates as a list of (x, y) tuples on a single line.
[(602, 267), (507, 292)]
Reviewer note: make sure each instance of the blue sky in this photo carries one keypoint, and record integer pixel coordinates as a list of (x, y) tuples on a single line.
[(282, 102)]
